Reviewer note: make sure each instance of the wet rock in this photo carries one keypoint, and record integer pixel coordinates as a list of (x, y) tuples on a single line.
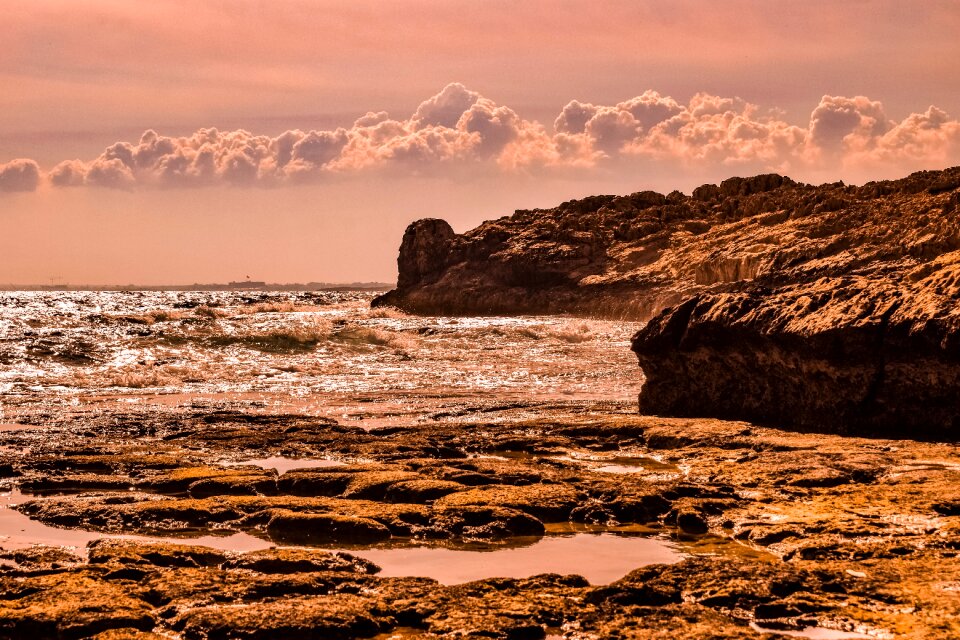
[(300, 560), (182, 479), (128, 634), (132, 511), (41, 557), (323, 528), (335, 617), (420, 491), (74, 483), (548, 502), (504, 608), (233, 485), (874, 553), (319, 482), (484, 522), (374, 485), (66, 605), (691, 521), (153, 553)]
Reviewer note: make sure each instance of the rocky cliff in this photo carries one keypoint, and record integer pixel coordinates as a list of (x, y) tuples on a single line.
[(828, 306)]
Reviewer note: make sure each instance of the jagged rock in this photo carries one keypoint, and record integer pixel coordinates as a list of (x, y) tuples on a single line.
[(874, 349), (825, 307), (632, 256), (424, 250)]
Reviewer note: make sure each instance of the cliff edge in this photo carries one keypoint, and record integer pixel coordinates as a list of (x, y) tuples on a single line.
[(828, 307)]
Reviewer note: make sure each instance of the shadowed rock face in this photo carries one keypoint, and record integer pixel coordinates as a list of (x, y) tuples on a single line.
[(424, 251), (867, 342), (841, 354), (826, 307)]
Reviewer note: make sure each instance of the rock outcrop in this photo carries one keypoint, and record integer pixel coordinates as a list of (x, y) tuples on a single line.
[(863, 337), (828, 307), (633, 256)]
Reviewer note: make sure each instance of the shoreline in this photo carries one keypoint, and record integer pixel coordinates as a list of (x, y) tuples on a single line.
[(836, 532)]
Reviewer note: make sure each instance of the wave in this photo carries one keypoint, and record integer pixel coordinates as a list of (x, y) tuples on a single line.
[(302, 337), (286, 339), (150, 317), (574, 335)]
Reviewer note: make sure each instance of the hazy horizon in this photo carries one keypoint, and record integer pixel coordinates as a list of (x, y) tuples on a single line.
[(294, 141)]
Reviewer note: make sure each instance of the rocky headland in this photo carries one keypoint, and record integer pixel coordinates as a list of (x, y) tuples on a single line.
[(828, 307)]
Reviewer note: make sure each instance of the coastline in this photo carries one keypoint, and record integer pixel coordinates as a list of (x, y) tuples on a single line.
[(775, 529)]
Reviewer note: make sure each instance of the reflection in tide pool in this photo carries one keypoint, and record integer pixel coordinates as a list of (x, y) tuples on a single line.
[(811, 633), (601, 558), (17, 531), (282, 464)]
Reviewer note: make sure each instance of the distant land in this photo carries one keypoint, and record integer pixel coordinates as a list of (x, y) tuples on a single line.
[(229, 286)]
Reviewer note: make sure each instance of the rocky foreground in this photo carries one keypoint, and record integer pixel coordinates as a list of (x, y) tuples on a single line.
[(779, 530), (827, 307)]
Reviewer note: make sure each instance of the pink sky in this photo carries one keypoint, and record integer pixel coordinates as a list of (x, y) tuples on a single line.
[(177, 142)]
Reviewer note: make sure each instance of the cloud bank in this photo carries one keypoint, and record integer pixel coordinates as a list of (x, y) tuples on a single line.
[(461, 130)]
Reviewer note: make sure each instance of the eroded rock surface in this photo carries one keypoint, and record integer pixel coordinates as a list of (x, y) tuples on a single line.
[(632, 256), (858, 334), (782, 530), (827, 307)]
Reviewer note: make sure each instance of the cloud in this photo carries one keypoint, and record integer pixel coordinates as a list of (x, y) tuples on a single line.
[(445, 108), (19, 175), (929, 137), (712, 129), (459, 130), (843, 124)]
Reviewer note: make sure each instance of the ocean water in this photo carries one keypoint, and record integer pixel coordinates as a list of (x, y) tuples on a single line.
[(324, 353)]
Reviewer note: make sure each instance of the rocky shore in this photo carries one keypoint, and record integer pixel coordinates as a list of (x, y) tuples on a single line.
[(776, 530), (771, 305), (826, 307)]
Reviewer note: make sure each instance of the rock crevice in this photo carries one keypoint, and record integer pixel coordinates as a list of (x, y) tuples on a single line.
[(828, 307)]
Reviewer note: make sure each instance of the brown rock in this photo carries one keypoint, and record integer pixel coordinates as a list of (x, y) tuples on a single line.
[(300, 560), (548, 502), (320, 528), (824, 307), (337, 617), (68, 605)]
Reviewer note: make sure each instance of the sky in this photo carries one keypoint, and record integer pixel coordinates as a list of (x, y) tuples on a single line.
[(176, 142)]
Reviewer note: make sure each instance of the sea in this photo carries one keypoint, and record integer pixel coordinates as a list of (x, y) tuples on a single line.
[(323, 353)]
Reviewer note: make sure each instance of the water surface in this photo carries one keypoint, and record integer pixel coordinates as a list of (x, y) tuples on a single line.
[(317, 353)]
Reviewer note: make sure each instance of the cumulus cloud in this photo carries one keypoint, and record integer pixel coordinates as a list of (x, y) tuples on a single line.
[(712, 129), (460, 128), (445, 108), (841, 124), (19, 175)]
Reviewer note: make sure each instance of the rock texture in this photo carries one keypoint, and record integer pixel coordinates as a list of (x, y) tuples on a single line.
[(860, 335), (780, 530), (825, 307)]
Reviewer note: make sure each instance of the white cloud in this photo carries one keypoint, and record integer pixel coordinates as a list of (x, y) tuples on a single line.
[(461, 130)]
